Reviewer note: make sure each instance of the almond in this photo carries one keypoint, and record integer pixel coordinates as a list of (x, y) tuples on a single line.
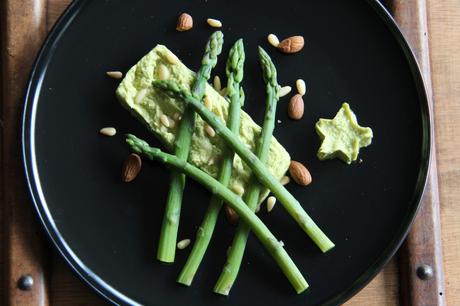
[(184, 23), (296, 107), (299, 173), (291, 44), (232, 216), (131, 168)]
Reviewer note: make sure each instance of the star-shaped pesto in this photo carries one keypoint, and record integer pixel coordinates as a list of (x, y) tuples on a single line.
[(342, 136)]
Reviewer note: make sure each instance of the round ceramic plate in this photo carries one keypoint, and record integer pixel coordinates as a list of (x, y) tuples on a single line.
[(108, 231)]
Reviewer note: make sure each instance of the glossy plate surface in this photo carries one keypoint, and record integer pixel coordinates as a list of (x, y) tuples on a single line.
[(108, 230)]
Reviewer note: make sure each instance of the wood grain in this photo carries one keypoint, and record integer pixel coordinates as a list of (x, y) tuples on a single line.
[(444, 22), (24, 28), (423, 243), (444, 25)]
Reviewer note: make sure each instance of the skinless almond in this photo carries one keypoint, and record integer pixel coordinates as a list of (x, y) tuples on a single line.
[(184, 23), (232, 216), (296, 107), (299, 173), (291, 44), (131, 167)]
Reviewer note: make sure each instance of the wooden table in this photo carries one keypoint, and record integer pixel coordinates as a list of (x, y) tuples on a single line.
[(444, 25)]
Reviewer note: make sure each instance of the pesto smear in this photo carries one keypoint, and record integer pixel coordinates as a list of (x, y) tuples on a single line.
[(148, 104)]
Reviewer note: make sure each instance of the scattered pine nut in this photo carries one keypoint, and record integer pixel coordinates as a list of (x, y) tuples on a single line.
[(172, 58), (217, 83), (284, 91), (108, 131), (183, 244), (165, 120), (214, 23), (271, 203), (279, 121), (301, 88), (285, 180), (208, 103), (177, 116), (163, 72), (140, 96), (115, 74), (238, 189), (209, 130), (273, 40)]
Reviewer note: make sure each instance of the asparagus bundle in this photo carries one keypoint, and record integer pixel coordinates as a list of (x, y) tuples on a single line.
[(274, 247), (169, 228), (251, 197), (234, 71), (264, 176)]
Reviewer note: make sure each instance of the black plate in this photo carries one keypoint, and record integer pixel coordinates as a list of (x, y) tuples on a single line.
[(108, 231)]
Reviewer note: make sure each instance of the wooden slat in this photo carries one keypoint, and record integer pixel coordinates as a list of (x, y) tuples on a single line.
[(444, 25), (423, 244), (23, 29)]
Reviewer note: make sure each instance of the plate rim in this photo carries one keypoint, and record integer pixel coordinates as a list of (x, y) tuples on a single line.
[(114, 296)]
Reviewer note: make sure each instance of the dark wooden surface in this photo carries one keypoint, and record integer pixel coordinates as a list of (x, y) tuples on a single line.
[(23, 30), (24, 23), (423, 243)]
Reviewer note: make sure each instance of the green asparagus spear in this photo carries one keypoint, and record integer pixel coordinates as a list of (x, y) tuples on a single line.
[(169, 228), (263, 175), (251, 197), (235, 92), (273, 246)]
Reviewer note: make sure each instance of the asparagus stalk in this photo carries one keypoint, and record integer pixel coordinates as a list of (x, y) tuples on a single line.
[(270, 242), (235, 255), (234, 71), (167, 245), (263, 175)]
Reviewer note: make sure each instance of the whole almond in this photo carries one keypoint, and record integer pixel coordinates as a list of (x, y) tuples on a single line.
[(232, 216), (131, 167), (291, 44), (296, 107), (184, 23), (299, 173)]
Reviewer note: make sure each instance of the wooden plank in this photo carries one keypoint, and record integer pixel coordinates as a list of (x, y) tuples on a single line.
[(444, 25), (23, 31), (422, 250)]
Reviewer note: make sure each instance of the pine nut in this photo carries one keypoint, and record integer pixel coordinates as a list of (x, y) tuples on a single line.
[(223, 92), (284, 91), (273, 40), (172, 58), (217, 83), (108, 131), (163, 72), (140, 96), (165, 120), (271, 203), (183, 244), (238, 189), (208, 103), (214, 23), (115, 74), (209, 130), (301, 88), (285, 180)]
